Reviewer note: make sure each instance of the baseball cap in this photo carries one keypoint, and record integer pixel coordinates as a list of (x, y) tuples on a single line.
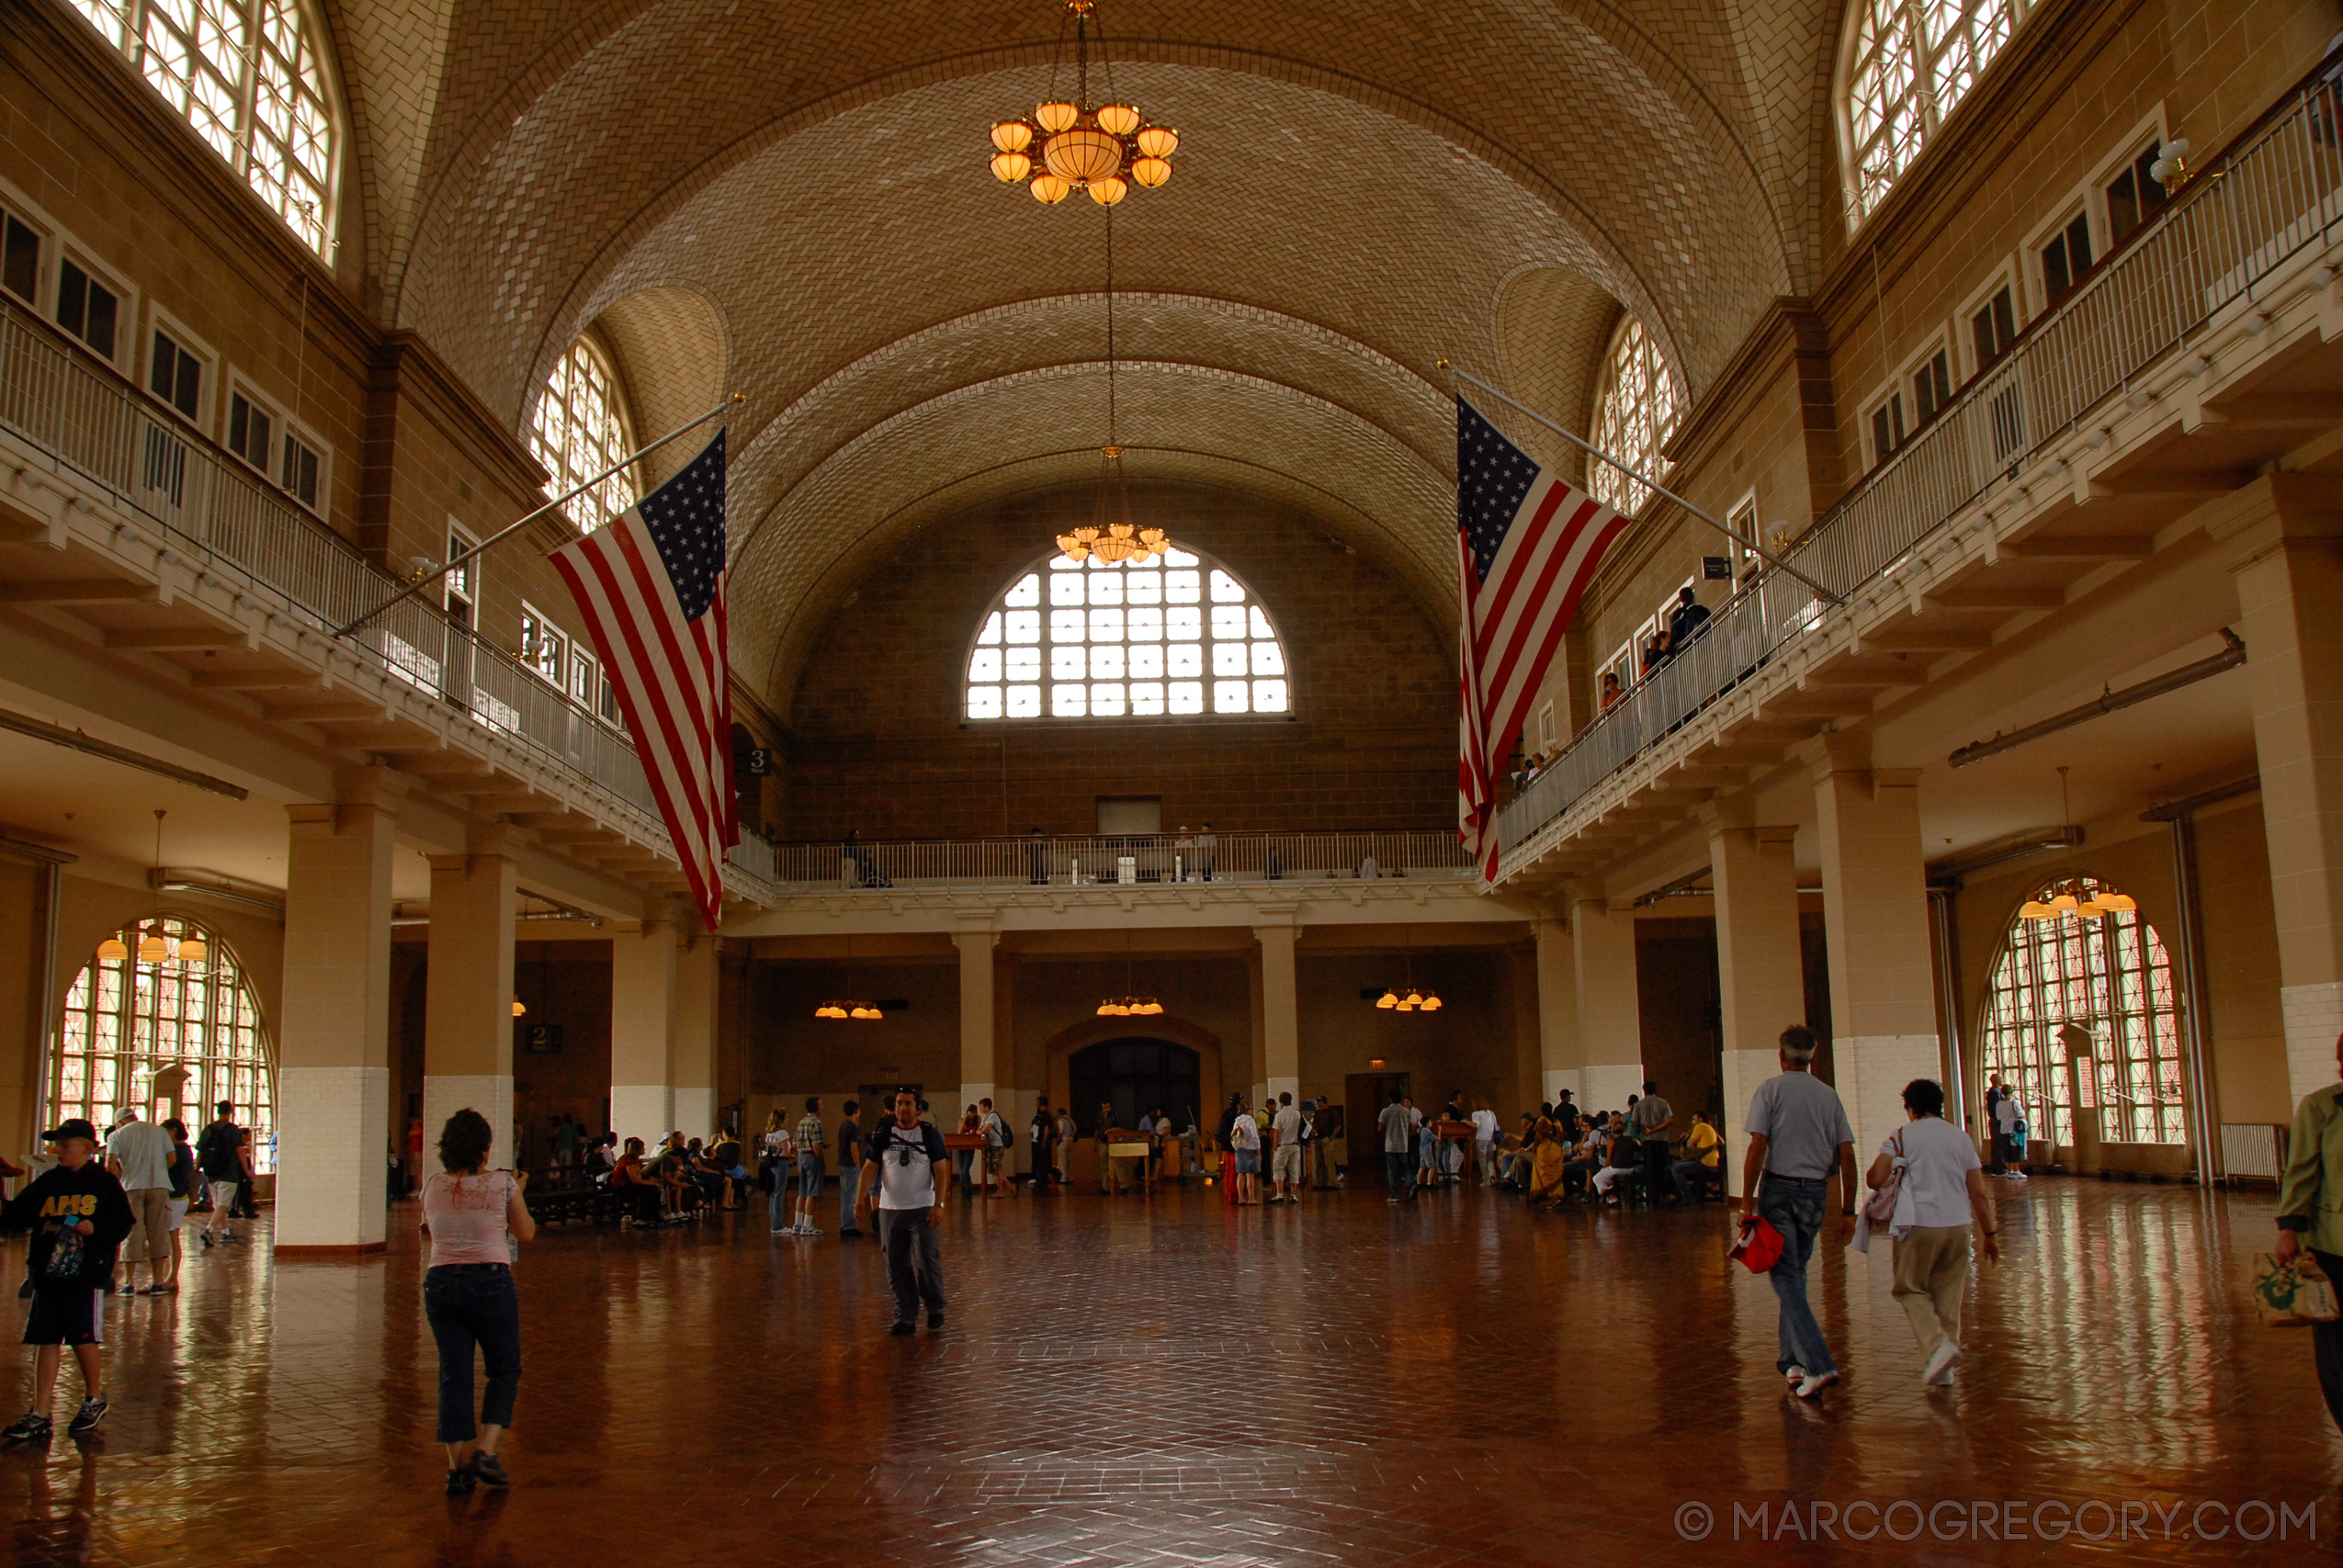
[(72, 1127)]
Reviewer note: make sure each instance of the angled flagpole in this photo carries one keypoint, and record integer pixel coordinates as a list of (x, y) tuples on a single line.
[(1640, 476), (420, 583)]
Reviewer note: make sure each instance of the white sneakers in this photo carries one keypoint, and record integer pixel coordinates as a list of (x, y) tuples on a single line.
[(1939, 1366), (1795, 1373), (1815, 1383)]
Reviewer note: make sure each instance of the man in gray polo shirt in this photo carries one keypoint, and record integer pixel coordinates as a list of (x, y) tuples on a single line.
[(1798, 1137)]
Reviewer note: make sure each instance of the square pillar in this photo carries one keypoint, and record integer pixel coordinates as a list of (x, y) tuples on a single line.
[(468, 994), (1875, 900), (1760, 972), (1255, 1080), (1280, 1027), (1610, 1044), (2289, 569), (642, 1022), (977, 1017), (691, 1054), (333, 1042), (1558, 1011)]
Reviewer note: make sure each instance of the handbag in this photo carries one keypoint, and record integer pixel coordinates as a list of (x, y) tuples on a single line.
[(2291, 1295), (1758, 1247)]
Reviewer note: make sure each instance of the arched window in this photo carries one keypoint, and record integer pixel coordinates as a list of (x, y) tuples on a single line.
[(165, 1002), (1906, 66), (580, 429), (2109, 975), (1635, 415), (1178, 635), (252, 77)]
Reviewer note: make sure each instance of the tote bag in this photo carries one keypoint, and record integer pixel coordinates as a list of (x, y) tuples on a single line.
[(2291, 1295)]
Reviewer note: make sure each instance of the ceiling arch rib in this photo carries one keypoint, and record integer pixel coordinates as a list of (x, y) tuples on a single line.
[(668, 345), (565, 195), (995, 439)]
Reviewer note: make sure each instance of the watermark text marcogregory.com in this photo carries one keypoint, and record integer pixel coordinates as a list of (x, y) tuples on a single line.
[(1971, 1520)]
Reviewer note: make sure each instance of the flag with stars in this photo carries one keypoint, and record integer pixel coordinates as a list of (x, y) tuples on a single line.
[(650, 585), (1527, 545)]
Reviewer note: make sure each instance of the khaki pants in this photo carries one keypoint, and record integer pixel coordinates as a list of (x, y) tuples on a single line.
[(150, 1237), (1931, 1271)]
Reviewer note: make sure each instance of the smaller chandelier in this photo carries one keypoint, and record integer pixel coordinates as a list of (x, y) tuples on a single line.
[(1130, 1007), (864, 1010), (1408, 998), (2076, 898), (1110, 534), (1070, 145)]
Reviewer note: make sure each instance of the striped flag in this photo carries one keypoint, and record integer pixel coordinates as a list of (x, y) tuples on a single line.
[(1527, 545), (649, 584)]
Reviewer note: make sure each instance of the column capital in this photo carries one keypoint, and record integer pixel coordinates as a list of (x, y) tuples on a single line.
[(1272, 930), (1834, 752), (974, 937), (2273, 508), (1550, 931), (376, 786)]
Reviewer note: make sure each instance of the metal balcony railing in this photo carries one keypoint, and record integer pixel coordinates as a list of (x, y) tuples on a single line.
[(211, 506), (2226, 231), (1118, 860)]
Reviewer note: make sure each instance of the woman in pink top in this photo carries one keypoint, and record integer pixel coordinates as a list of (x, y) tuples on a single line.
[(476, 1221)]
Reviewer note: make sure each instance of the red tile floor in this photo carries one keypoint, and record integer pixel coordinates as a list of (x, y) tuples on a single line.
[(1171, 1381)]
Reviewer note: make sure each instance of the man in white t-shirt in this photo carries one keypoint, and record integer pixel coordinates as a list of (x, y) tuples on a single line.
[(140, 1154), (1286, 1163), (2006, 1117), (905, 1165), (1485, 1132)]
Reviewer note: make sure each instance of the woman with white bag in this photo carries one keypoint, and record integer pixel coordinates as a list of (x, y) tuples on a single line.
[(1928, 1187)]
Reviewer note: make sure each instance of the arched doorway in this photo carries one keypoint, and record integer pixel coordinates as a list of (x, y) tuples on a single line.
[(1132, 1076), (165, 994), (2109, 975)]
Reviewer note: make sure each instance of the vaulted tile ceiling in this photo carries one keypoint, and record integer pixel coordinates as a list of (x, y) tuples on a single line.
[(791, 199)]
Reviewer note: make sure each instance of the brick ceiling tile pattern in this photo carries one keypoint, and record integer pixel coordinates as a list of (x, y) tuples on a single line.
[(669, 346)]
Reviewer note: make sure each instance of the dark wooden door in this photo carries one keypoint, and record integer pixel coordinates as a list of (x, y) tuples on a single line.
[(1364, 1097)]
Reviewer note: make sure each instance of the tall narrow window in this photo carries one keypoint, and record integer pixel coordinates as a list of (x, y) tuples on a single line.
[(253, 77), (1635, 415), (578, 431), (1908, 65), (177, 999), (2108, 975), (2132, 198), (2066, 259), (1993, 329), (1180, 635)]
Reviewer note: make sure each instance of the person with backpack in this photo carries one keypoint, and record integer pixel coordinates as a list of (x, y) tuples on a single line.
[(79, 1215), (996, 1146), (222, 1154), (1929, 1179), (905, 1178)]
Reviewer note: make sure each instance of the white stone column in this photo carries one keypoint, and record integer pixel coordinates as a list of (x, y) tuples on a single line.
[(1611, 1046), (468, 1000), (1882, 972), (2289, 569), (642, 1023), (1281, 1032), (978, 1064), (1760, 970), (333, 1039), (1558, 1010), (692, 1055)]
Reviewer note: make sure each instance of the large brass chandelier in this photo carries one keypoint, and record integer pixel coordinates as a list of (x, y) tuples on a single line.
[(1070, 145)]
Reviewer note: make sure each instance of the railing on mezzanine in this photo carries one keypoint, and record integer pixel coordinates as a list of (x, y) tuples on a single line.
[(1118, 860), (2221, 235)]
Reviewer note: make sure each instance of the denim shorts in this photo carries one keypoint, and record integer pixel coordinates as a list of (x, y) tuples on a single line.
[(810, 1174), (1248, 1162)]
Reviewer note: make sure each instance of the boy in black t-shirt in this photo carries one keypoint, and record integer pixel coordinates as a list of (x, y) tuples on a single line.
[(78, 1214)]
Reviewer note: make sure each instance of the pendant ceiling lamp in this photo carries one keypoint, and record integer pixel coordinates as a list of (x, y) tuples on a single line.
[(1070, 145), (1111, 535), (2076, 897), (1410, 996), (863, 1011), (156, 945), (1128, 1005)]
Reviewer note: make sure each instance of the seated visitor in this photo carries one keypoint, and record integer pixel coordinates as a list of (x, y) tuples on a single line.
[(645, 1202), (1703, 1157), (1625, 1158), (1547, 1166)]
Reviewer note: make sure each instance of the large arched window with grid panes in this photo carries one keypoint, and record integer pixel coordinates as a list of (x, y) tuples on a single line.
[(163, 1018), (578, 429), (255, 79), (1905, 65), (2108, 975), (1180, 635), (1634, 415)]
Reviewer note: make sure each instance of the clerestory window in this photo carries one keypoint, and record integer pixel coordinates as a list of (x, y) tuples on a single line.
[(254, 78), (580, 429), (1906, 66), (1180, 635), (1635, 415)]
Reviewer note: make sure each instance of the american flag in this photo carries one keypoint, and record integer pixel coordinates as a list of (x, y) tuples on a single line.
[(649, 584), (1527, 545)]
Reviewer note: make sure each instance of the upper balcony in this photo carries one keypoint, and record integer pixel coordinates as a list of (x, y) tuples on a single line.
[(129, 518), (2050, 465)]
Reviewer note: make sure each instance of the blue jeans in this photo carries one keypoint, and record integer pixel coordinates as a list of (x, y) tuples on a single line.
[(778, 1206), (469, 1304), (1792, 1205), (914, 1264), (849, 1178), (1400, 1170)]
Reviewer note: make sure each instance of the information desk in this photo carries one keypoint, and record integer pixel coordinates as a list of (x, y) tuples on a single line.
[(1119, 1146)]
